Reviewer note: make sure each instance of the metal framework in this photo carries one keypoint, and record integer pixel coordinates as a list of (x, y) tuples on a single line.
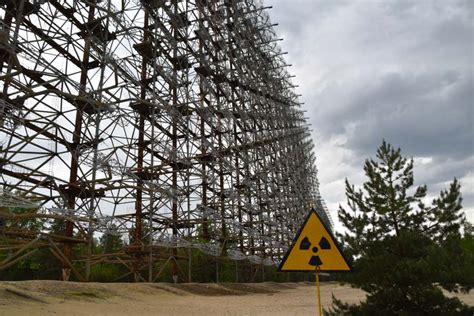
[(174, 120)]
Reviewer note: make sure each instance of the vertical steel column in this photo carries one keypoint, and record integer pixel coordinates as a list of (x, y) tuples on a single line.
[(71, 201)]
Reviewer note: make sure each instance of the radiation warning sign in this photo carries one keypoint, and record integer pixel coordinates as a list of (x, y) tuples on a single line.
[(314, 246)]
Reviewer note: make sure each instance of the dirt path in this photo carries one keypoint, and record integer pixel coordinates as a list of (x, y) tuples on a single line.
[(59, 298)]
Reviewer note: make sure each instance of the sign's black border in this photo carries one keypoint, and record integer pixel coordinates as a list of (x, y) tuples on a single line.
[(296, 239)]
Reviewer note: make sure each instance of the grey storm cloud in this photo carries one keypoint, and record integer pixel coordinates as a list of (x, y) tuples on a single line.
[(430, 114), (395, 70)]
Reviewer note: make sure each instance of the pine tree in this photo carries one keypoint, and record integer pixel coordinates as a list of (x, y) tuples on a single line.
[(402, 250)]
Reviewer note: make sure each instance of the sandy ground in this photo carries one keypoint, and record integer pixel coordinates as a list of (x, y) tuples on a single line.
[(70, 298)]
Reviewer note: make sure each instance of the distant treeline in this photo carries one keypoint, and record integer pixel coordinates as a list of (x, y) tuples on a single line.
[(200, 268)]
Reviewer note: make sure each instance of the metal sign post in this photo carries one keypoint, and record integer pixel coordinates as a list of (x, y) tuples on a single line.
[(318, 292)]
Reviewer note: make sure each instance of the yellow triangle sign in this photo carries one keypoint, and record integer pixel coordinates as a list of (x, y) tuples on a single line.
[(314, 246)]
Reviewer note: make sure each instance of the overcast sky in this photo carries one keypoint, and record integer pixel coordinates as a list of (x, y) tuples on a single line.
[(399, 70)]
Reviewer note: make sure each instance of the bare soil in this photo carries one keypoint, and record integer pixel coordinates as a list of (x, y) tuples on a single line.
[(269, 298)]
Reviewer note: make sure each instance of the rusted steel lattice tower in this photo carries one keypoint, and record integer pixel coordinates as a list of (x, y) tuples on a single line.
[(173, 123)]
